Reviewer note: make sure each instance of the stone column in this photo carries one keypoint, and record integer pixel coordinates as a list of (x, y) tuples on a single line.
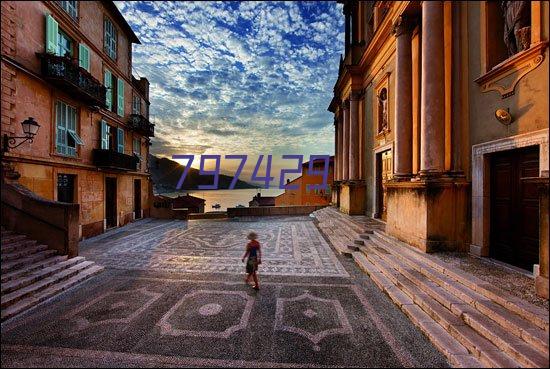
[(354, 136), (340, 146), (403, 99), (432, 109), (345, 141), (336, 156)]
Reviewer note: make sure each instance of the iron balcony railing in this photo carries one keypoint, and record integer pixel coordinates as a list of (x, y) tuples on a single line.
[(110, 159), (140, 124), (66, 74)]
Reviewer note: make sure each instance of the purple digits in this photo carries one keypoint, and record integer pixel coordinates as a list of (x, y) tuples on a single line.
[(298, 170), (215, 172), (313, 172), (186, 170), (267, 177), (239, 169)]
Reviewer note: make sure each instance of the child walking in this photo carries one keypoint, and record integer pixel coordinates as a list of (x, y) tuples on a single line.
[(254, 254)]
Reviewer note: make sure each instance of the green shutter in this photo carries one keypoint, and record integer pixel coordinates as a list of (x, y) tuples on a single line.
[(52, 31), (120, 140), (104, 135), (120, 100), (84, 57), (108, 82)]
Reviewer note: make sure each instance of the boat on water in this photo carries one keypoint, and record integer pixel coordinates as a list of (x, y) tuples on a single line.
[(216, 206)]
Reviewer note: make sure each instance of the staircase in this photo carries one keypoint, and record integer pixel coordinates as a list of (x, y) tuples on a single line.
[(32, 274), (469, 320)]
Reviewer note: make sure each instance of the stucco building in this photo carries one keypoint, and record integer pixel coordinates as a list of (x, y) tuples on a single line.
[(68, 64), (300, 192), (441, 125)]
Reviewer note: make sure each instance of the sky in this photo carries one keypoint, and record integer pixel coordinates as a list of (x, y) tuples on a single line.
[(239, 77)]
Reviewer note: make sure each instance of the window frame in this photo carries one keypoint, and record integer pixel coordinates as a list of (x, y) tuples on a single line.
[(62, 147), (62, 5), (113, 38), (63, 35)]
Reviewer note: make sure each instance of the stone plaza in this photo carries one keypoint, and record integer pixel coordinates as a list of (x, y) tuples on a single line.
[(173, 294)]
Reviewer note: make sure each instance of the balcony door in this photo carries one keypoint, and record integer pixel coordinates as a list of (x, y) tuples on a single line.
[(65, 188), (110, 202)]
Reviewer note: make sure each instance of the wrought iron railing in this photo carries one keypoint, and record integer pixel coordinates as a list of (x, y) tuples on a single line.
[(67, 74), (140, 124), (111, 159)]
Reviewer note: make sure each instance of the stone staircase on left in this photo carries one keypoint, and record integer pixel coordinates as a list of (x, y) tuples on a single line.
[(32, 273)]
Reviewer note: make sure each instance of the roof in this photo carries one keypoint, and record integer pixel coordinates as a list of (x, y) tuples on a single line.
[(186, 201), (264, 200), (110, 5)]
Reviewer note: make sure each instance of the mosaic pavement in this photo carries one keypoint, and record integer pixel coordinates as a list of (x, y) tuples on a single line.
[(322, 312), (290, 246)]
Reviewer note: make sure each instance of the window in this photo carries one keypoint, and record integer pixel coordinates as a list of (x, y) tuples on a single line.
[(112, 138), (66, 136), (109, 38), (136, 148), (65, 187), (64, 44), (70, 7), (136, 105)]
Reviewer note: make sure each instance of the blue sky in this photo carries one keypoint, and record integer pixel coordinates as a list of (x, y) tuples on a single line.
[(239, 77)]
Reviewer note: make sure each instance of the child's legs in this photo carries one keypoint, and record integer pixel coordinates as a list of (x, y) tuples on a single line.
[(255, 276)]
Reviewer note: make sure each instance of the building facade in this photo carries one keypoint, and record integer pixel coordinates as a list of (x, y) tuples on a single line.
[(68, 64), (300, 192), (441, 125)]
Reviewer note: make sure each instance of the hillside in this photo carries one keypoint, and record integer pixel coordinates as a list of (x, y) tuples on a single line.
[(166, 174)]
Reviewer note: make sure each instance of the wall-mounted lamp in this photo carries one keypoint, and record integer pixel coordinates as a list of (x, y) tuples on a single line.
[(30, 129), (504, 116)]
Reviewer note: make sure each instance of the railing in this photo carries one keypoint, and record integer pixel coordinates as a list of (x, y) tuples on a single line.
[(140, 124), (111, 159), (65, 73)]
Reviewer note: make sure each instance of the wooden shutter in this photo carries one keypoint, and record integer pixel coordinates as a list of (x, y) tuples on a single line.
[(52, 31), (84, 57), (104, 135), (120, 140), (120, 97), (108, 82)]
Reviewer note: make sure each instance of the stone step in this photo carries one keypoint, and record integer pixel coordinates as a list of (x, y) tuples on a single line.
[(49, 292), (12, 238), (6, 233), (18, 254), (534, 314), (449, 310), (17, 245), (33, 267), (13, 265), (16, 296), (27, 280), (457, 353)]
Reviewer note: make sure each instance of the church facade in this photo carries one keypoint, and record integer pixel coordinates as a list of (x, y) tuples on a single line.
[(441, 126)]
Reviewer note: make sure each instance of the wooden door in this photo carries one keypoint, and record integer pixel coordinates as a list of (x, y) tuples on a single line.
[(110, 202), (65, 187), (137, 198), (515, 207), (384, 164)]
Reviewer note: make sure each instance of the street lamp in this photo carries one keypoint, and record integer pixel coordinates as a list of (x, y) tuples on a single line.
[(30, 129)]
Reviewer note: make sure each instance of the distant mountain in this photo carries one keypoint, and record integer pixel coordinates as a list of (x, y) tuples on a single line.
[(166, 173)]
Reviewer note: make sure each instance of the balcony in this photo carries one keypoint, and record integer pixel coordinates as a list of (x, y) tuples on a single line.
[(141, 125), (65, 73), (114, 160)]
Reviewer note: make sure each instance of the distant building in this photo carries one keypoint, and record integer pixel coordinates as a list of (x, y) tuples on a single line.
[(260, 200), (303, 195), (192, 203)]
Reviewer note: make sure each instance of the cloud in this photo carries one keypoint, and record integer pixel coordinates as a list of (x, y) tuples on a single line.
[(238, 77)]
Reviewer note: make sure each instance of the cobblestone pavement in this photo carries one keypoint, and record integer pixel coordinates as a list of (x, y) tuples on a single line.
[(173, 295)]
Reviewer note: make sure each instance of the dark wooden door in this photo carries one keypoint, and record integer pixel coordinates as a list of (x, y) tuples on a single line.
[(384, 165), (110, 202), (65, 187), (137, 198), (515, 207)]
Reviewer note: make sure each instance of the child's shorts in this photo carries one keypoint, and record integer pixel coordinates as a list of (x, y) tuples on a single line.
[(251, 265)]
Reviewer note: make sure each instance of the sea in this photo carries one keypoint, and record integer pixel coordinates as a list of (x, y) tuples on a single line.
[(227, 198)]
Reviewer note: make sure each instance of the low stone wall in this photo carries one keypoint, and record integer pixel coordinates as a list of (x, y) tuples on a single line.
[(49, 222), (217, 215), (273, 210)]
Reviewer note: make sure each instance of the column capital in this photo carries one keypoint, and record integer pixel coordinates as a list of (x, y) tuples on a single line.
[(402, 25), (345, 104), (357, 95)]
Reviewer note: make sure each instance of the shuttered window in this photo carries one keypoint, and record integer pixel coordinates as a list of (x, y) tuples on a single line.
[(105, 132), (136, 105), (108, 82), (109, 38), (120, 140), (120, 97), (52, 31), (66, 136), (84, 57), (70, 7)]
